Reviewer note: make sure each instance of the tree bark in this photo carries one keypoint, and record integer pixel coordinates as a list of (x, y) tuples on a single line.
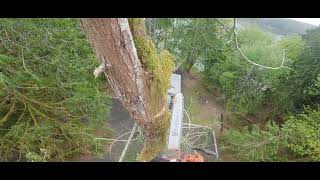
[(189, 62), (113, 42)]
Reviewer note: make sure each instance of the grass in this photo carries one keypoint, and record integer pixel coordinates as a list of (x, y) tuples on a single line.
[(201, 114), (209, 114)]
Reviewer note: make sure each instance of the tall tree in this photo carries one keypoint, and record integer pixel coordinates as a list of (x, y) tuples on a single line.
[(138, 75), (307, 70), (190, 40)]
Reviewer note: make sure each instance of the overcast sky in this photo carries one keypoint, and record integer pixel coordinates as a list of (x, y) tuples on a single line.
[(314, 21)]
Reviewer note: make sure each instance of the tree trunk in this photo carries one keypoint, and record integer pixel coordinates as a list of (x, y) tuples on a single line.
[(133, 73), (189, 62), (189, 66)]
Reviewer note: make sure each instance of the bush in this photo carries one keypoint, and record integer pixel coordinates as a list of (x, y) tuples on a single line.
[(298, 137), (50, 103), (254, 144), (303, 133)]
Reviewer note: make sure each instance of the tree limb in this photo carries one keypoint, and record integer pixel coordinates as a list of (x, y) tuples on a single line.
[(10, 112)]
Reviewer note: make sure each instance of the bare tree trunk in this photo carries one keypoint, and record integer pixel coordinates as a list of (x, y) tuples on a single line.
[(126, 69), (189, 62)]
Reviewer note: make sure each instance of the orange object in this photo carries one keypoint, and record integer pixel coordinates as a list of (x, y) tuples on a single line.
[(175, 155), (192, 158)]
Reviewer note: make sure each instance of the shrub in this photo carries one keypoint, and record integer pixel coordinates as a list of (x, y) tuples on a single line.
[(50, 103)]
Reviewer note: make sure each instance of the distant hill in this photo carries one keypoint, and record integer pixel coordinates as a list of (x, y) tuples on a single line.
[(277, 26)]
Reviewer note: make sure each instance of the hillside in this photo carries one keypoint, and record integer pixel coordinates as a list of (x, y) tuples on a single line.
[(278, 26)]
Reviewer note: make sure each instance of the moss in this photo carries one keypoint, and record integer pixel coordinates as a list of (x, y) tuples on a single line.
[(155, 138), (167, 66), (136, 25), (160, 67), (147, 53)]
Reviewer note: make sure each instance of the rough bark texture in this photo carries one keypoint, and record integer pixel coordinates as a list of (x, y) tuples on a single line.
[(112, 41), (134, 75)]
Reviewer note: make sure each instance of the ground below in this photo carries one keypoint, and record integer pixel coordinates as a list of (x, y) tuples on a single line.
[(204, 108)]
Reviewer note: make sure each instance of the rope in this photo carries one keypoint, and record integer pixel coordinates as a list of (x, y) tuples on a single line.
[(245, 57), (128, 142)]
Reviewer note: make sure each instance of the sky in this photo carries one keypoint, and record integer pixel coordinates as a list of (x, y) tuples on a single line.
[(314, 21)]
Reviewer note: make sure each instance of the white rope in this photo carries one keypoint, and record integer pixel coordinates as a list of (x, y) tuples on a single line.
[(191, 102), (197, 135), (116, 140), (128, 142), (189, 122), (245, 57), (215, 144), (195, 125), (121, 140)]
